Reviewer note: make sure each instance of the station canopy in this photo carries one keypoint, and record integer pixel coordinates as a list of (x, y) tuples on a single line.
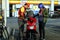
[(33, 0), (46, 2)]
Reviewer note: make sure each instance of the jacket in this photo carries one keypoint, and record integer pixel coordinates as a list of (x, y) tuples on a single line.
[(45, 13)]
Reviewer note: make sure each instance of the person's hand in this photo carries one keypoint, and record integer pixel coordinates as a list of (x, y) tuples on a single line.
[(39, 14), (25, 20)]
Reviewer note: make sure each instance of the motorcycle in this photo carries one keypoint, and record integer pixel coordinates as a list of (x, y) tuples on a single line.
[(31, 29)]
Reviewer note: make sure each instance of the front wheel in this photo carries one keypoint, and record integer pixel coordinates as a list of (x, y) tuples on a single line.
[(32, 36)]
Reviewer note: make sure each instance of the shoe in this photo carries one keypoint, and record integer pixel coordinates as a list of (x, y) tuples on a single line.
[(43, 39), (40, 39)]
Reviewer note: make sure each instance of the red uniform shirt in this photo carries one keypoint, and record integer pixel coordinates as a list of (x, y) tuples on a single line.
[(20, 13)]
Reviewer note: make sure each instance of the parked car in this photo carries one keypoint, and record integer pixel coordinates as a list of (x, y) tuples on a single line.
[(55, 14)]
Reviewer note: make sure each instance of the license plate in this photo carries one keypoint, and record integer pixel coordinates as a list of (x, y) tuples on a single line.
[(32, 27)]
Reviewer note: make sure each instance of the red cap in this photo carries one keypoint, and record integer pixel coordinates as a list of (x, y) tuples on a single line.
[(28, 4)]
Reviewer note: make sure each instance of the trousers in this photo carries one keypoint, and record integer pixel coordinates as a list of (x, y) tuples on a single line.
[(42, 30)]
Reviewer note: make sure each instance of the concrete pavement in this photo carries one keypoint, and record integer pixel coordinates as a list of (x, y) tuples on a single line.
[(52, 27)]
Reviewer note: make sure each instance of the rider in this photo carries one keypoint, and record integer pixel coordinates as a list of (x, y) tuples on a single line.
[(30, 21)]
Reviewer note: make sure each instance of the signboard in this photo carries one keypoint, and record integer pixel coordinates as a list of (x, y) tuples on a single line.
[(35, 9), (18, 5)]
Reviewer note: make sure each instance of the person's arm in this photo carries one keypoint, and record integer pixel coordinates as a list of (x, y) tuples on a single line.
[(36, 15), (45, 16)]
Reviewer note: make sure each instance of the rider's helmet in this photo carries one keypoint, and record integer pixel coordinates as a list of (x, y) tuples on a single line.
[(40, 5)]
